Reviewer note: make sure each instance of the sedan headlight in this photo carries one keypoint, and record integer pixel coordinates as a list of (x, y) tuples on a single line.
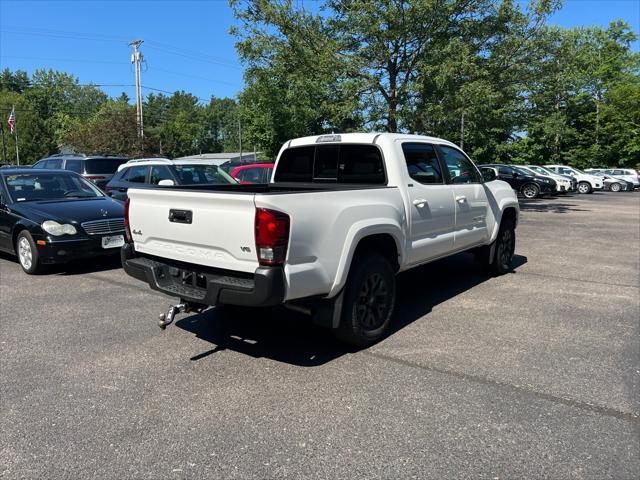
[(54, 228)]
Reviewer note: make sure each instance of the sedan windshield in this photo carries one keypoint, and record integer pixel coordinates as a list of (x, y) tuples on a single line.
[(26, 187), (202, 174)]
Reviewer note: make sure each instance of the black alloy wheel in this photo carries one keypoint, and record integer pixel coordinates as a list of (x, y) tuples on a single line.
[(369, 300), (505, 248)]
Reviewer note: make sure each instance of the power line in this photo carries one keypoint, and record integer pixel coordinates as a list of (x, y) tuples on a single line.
[(73, 60), (162, 47)]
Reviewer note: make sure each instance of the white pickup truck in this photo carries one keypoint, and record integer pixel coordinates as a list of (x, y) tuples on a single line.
[(341, 217)]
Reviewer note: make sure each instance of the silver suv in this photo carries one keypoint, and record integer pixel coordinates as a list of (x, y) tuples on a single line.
[(97, 168), (628, 174)]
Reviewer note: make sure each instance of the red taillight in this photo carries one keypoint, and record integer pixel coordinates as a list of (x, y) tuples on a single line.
[(272, 236), (126, 220), (105, 189)]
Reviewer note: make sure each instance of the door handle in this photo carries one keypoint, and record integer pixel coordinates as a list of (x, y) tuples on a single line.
[(420, 202), (461, 199)]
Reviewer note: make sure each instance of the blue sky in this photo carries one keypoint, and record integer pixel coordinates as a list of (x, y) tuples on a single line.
[(187, 44)]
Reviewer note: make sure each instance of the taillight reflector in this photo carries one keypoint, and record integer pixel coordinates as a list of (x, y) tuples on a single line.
[(272, 236)]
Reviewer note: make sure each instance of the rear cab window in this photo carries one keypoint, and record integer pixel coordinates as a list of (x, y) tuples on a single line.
[(332, 163)]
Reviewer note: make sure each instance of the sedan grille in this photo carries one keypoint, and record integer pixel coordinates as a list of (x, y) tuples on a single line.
[(102, 227)]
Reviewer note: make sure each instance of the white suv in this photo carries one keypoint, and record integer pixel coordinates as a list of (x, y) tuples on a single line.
[(586, 183)]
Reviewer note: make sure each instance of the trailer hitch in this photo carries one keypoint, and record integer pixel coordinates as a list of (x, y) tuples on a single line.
[(166, 319)]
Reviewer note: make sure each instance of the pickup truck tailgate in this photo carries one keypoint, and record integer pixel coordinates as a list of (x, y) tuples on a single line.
[(215, 229)]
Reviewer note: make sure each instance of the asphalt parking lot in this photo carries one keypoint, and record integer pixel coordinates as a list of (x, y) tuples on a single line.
[(535, 374)]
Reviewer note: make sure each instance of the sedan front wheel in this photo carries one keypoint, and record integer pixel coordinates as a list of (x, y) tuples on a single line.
[(28, 255), (530, 190)]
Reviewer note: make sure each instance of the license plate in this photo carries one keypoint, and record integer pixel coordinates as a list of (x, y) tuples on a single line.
[(113, 241)]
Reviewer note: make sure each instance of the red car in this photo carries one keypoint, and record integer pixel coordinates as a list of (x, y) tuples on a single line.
[(253, 173)]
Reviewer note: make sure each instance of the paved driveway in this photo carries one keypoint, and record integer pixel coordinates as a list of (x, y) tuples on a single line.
[(533, 374)]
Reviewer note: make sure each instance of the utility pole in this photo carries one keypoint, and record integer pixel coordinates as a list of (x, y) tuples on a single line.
[(136, 58), (240, 138)]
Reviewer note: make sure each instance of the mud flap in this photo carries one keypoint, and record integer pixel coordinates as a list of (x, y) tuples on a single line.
[(329, 312)]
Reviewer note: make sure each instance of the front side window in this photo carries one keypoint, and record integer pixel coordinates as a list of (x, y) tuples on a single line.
[(505, 171), (158, 173), (461, 169), (136, 174), (422, 163), (40, 164)]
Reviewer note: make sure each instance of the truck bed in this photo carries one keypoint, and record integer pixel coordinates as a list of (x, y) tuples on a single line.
[(274, 188)]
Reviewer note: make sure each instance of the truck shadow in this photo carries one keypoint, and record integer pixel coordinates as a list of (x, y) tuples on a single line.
[(551, 205), (290, 337)]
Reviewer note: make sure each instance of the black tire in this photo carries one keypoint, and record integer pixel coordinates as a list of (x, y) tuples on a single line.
[(369, 301), (27, 253), (504, 248), (584, 187), (615, 187), (530, 190)]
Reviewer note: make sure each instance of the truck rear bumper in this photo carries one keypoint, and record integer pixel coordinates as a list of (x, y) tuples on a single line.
[(205, 286)]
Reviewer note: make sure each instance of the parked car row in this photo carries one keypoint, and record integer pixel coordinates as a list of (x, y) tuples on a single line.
[(533, 181)]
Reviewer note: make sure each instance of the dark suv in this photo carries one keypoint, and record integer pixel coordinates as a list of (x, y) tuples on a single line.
[(97, 168), (528, 185)]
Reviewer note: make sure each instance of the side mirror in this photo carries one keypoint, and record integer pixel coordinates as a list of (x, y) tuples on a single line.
[(516, 174), (489, 174), (166, 183)]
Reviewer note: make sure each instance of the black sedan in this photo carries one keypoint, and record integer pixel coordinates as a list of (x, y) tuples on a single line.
[(528, 185), (54, 216)]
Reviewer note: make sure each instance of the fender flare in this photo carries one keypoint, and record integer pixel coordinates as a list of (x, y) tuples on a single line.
[(356, 233)]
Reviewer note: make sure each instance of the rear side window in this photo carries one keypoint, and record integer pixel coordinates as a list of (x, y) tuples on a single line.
[(251, 175), (136, 174), (347, 163), (422, 163), (103, 165), (54, 164), (74, 166)]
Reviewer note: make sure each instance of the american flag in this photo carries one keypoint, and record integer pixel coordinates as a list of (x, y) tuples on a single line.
[(12, 121)]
